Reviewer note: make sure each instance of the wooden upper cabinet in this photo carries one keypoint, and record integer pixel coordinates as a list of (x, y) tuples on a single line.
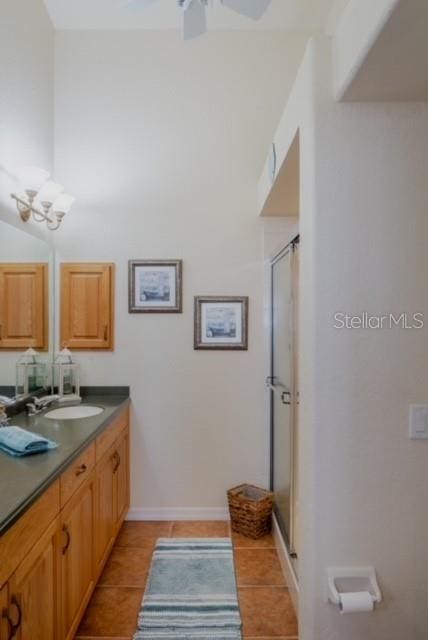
[(24, 306), (87, 305)]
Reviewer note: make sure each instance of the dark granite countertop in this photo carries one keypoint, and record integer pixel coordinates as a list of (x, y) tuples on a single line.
[(23, 480)]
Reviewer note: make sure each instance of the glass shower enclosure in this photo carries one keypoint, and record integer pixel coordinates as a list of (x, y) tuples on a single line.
[(282, 383)]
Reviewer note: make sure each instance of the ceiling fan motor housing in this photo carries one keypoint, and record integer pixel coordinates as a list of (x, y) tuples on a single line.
[(194, 12)]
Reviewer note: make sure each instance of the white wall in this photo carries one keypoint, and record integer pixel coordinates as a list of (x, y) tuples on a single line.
[(380, 51), (356, 31), (162, 143), (364, 483), (26, 126), (26, 90)]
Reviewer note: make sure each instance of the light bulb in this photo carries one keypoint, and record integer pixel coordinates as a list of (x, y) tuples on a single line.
[(63, 203), (32, 178), (50, 192)]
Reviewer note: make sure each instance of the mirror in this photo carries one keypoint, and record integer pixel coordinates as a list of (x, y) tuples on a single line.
[(26, 302)]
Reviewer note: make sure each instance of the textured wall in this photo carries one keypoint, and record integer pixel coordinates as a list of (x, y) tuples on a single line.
[(162, 142), (364, 482)]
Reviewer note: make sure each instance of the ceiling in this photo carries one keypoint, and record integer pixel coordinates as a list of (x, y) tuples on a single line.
[(288, 15), (395, 68)]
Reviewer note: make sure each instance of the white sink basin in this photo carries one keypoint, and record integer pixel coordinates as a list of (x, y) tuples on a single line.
[(73, 413)]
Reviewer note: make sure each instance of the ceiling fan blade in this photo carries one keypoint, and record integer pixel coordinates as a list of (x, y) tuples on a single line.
[(250, 8), (194, 20), (136, 5)]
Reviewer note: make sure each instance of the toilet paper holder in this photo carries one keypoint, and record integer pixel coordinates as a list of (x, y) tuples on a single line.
[(341, 580)]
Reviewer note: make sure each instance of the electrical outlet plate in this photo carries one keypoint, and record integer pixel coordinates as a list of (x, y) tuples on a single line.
[(418, 422)]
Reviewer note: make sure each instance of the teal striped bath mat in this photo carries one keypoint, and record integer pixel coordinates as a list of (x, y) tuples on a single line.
[(191, 592)]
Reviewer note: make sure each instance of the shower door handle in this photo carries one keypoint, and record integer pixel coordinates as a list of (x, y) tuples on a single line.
[(286, 397), (273, 385)]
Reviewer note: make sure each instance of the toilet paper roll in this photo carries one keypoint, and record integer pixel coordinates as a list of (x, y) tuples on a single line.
[(356, 602)]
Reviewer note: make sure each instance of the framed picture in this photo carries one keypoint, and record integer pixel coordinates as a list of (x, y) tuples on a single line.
[(155, 286), (221, 322)]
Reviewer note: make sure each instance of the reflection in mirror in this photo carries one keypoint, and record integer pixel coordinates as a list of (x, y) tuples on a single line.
[(26, 305)]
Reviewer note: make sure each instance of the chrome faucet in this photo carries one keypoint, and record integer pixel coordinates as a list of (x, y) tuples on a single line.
[(4, 420), (6, 401), (38, 404)]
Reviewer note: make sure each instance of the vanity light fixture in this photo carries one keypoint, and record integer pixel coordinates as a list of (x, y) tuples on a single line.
[(53, 203)]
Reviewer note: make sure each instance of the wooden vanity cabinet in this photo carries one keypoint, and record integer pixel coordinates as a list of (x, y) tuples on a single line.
[(4, 613), (77, 529), (122, 479), (24, 306), (105, 490), (51, 558), (112, 483), (87, 305), (33, 591)]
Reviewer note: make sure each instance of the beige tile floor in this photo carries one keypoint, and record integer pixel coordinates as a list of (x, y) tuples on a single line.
[(266, 608)]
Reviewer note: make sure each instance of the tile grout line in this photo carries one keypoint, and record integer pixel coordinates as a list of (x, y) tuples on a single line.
[(263, 586), (147, 548), (121, 586), (255, 548), (150, 548), (134, 546), (240, 586)]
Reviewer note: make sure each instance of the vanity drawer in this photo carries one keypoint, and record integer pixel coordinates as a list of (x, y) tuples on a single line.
[(77, 473), (106, 439)]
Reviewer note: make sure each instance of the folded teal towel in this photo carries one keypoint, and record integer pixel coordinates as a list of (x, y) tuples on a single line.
[(19, 442)]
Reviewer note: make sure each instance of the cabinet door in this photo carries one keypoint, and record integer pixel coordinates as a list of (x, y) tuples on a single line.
[(105, 511), (5, 623), (23, 306), (122, 476), (87, 304), (33, 591), (76, 555)]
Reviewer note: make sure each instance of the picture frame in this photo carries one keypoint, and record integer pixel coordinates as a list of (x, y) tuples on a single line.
[(221, 323), (155, 286)]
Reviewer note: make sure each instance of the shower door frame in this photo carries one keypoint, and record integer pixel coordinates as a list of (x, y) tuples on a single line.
[(287, 537)]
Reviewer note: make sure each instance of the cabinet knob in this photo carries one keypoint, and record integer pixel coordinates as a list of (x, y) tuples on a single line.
[(10, 630), (116, 459), (67, 544), (81, 469), (14, 601), (105, 331)]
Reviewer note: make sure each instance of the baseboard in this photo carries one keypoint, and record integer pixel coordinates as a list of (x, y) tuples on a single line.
[(180, 513), (286, 564)]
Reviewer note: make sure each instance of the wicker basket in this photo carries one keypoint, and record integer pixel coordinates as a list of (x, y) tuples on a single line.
[(250, 510)]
